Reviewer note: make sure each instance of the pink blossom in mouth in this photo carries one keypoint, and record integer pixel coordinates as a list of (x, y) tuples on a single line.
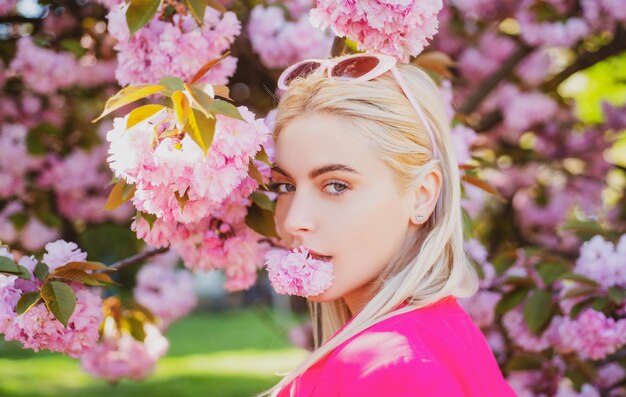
[(296, 272)]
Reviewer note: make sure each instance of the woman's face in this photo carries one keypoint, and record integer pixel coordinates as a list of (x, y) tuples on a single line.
[(338, 199)]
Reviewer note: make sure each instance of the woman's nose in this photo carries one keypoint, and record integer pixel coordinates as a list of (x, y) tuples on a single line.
[(299, 217)]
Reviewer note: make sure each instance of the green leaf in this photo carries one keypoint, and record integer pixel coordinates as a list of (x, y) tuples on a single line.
[(583, 290), (255, 174), (201, 129), (538, 311), (262, 156), (577, 277), (197, 9), (585, 229), (549, 271), (27, 301), (523, 362), (181, 199), (24, 273), (519, 280), (206, 67), (79, 276), (202, 100), (150, 218), (41, 271), (40, 134), (46, 214), (504, 260), (136, 329), (19, 220), (226, 109), (73, 46), (617, 295), (140, 12), (181, 107), (128, 95), (86, 265), (172, 83), (60, 300), (119, 195), (600, 304), (579, 307), (8, 266), (263, 201), (216, 5), (142, 113), (511, 299), (103, 278), (261, 221)]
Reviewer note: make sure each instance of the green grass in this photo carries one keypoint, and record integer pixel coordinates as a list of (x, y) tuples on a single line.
[(236, 353)]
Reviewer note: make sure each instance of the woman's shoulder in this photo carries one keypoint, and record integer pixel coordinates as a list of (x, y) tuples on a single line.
[(397, 341), (430, 350)]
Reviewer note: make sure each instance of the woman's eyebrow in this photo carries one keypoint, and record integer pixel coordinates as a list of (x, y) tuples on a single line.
[(319, 171)]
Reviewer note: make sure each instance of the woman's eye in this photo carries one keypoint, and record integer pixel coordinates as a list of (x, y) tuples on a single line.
[(335, 188), (281, 188), (331, 188)]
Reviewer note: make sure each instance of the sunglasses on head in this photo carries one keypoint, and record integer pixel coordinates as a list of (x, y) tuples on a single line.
[(356, 67)]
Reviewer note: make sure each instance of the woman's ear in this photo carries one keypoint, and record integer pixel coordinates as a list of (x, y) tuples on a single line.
[(426, 196)]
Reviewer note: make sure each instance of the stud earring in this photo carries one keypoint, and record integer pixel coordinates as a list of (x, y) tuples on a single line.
[(418, 218)]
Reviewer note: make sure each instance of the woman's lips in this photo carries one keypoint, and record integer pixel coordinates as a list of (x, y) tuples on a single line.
[(319, 257)]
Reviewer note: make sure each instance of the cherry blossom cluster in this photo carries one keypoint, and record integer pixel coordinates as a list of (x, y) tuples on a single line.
[(401, 29), (283, 42), (37, 328)]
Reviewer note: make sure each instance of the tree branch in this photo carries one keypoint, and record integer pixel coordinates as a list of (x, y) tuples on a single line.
[(131, 260), (19, 19), (474, 100), (585, 60), (617, 45)]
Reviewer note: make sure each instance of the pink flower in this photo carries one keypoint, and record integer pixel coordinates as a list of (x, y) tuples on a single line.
[(525, 109), (178, 167), (566, 389), (122, 356), (38, 329), (481, 307), (9, 295), (281, 43), (180, 48), (15, 161), (535, 67), (43, 71), (555, 34), (603, 261), (476, 63), (34, 235), (297, 273), (79, 181), (61, 252), (602, 15), (166, 292), (7, 6), (398, 28), (463, 137), (519, 333)]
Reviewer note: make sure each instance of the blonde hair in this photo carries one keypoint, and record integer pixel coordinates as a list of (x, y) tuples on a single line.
[(432, 263)]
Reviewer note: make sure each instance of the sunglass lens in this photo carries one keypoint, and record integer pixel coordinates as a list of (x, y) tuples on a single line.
[(355, 67), (302, 71)]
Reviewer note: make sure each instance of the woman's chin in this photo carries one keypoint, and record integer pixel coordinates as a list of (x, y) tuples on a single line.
[(329, 295)]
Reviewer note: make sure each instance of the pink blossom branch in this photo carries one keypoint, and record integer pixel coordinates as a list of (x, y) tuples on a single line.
[(489, 84), (585, 60), (132, 260)]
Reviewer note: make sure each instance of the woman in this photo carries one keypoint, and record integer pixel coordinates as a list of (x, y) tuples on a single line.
[(367, 180)]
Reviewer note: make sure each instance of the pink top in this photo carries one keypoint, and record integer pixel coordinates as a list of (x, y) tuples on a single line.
[(433, 351)]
